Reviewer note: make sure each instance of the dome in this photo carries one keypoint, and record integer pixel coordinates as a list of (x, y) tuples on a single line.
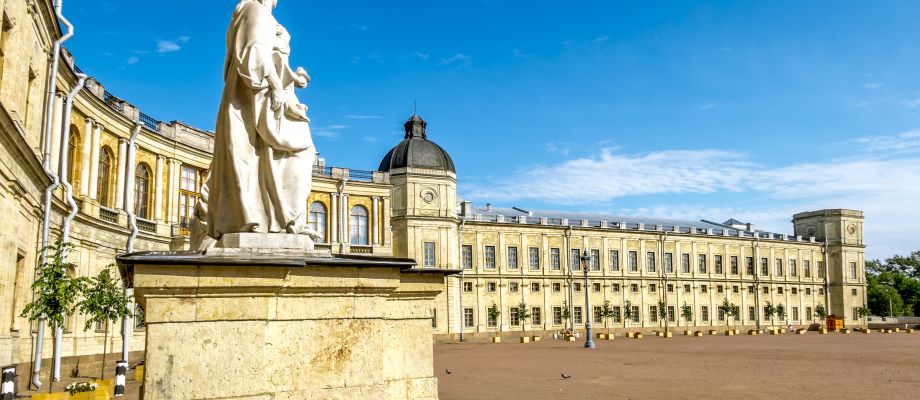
[(416, 151)]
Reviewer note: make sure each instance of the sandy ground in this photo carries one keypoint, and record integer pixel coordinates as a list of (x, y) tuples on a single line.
[(855, 366)]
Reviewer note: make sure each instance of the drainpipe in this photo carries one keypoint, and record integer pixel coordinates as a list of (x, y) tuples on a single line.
[(568, 250), (343, 214), (462, 270), (757, 279), (46, 164), (68, 196), (661, 247), (827, 266), (132, 222)]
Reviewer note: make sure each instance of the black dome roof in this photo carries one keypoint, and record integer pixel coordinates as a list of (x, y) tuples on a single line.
[(416, 151)]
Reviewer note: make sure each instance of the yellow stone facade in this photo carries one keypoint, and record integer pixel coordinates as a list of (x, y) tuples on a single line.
[(408, 212)]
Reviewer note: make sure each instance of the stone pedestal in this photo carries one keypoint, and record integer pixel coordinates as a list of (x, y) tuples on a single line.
[(256, 325)]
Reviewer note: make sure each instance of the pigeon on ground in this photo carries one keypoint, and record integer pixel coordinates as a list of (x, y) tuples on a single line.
[(564, 376), (447, 371)]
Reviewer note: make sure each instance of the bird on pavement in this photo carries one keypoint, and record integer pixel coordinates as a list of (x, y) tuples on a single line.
[(564, 376), (447, 371)]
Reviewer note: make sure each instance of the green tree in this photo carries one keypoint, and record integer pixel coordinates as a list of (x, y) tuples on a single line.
[(522, 314), (821, 313), (687, 312), (627, 313), (884, 300), (104, 301), (729, 310), (606, 314), (566, 312), (863, 312), (768, 312), (494, 313), (781, 313), (662, 311)]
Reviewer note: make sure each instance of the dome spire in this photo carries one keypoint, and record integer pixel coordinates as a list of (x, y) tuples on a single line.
[(415, 127)]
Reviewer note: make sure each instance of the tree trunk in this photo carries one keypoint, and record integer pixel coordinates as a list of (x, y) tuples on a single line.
[(105, 343)]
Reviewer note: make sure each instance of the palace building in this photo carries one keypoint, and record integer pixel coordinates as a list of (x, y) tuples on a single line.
[(509, 257)]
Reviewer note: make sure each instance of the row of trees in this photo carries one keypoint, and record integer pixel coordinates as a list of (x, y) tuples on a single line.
[(58, 294), (893, 286)]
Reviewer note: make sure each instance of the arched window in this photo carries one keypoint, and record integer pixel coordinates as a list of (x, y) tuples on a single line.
[(359, 226), (73, 151), (318, 220), (105, 173), (142, 191)]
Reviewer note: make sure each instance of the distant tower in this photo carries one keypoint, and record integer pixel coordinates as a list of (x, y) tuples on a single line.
[(423, 198), (846, 257)]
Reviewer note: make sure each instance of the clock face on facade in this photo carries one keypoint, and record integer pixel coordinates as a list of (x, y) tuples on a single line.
[(428, 195), (851, 229), (810, 231)]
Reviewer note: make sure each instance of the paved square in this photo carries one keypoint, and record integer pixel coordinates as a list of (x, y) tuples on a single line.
[(855, 366)]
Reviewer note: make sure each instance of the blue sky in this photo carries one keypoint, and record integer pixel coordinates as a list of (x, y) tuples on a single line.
[(717, 109)]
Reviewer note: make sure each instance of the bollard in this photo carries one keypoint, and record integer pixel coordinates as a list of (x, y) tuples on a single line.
[(7, 391), (121, 368)]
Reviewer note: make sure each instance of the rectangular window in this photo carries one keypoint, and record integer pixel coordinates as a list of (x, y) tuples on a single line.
[(670, 288), (535, 287), (820, 291), (779, 267), (749, 265), (808, 291), (139, 322), (650, 261), (704, 313), (855, 314), (467, 256), (702, 263), (557, 315), (720, 289), (515, 321), (668, 263), (721, 314), (633, 261), (764, 267), (635, 314), (779, 290), (686, 288), (557, 287), (468, 317), (735, 289), (793, 268), (595, 260), (634, 288), (853, 270), (652, 288), (467, 287), (490, 287), (536, 316), (615, 287), (751, 289), (752, 313), (513, 287), (808, 314), (512, 257), (554, 263), (490, 257), (491, 319), (704, 289), (615, 260), (616, 315), (575, 259), (534, 256), (795, 291), (795, 313), (671, 315), (653, 314), (806, 269), (821, 272), (734, 265), (766, 290), (597, 315), (576, 315), (434, 318), (430, 261), (685, 263), (596, 287), (576, 286), (718, 260)]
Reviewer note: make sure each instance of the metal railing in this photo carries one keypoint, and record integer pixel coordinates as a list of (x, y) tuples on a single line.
[(322, 246), (148, 121), (108, 215), (360, 175), (146, 226), (361, 249)]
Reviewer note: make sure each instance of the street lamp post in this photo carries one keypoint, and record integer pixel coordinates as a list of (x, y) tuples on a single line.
[(589, 340)]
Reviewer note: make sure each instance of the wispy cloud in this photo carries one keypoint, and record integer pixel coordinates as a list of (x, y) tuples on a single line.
[(133, 60), (518, 53), (706, 107), (880, 182), (171, 45), (601, 39), (362, 116), (357, 27), (421, 56), (458, 58), (915, 103), (872, 85)]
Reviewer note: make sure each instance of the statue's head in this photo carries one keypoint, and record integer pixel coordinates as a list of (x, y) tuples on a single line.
[(267, 3)]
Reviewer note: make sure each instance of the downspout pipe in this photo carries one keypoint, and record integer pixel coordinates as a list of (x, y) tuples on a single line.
[(46, 164), (68, 197), (462, 270), (757, 278), (132, 223), (568, 249)]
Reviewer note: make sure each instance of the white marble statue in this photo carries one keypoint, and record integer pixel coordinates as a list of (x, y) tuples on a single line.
[(261, 173)]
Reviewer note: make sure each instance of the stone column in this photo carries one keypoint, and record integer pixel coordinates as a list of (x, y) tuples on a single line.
[(343, 231), (120, 173), (94, 161), (334, 219), (84, 157), (157, 214), (55, 155), (172, 202), (375, 215)]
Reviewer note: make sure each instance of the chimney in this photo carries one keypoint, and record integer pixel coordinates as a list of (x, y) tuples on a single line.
[(750, 227), (466, 208)]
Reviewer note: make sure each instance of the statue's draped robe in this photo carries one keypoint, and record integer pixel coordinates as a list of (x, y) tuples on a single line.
[(262, 167)]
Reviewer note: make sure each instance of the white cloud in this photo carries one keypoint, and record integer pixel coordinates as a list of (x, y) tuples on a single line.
[(885, 188), (167, 46), (422, 56), (601, 39), (519, 53), (904, 141), (706, 107), (873, 85), (338, 126), (913, 103), (359, 116), (328, 134), (357, 27), (132, 60), (460, 58)]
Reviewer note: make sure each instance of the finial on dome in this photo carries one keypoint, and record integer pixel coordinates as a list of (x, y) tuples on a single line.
[(415, 127)]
